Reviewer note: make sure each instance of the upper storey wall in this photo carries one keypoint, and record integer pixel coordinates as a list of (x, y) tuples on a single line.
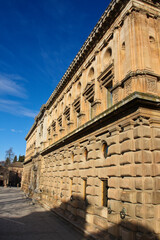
[(126, 59)]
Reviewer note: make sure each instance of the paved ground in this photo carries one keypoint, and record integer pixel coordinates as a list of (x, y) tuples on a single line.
[(20, 220)]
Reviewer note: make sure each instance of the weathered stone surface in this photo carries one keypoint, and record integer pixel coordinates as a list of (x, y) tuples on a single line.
[(94, 149)]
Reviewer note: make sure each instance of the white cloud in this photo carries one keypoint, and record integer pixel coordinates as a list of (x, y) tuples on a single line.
[(13, 130), (16, 108), (16, 131), (10, 85)]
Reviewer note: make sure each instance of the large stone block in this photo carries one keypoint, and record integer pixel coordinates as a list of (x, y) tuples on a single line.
[(138, 157), (156, 168), (113, 229), (81, 213), (156, 132), (100, 221), (157, 183), (126, 183), (156, 156), (127, 146), (148, 183), (156, 197), (114, 194), (130, 211), (113, 171), (128, 196), (155, 144), (127, 170), (113, 149), (149, 212), (113, 182), (139, 183), (101, 211), (127, 135), (147, 156), (112, 140), (126, 234), (127, 158), (115, 205), (114, 218), (89, 218), (140, 197), (140, 211), (142, 144)]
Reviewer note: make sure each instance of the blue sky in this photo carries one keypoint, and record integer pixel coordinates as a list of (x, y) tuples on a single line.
[(38, 41)]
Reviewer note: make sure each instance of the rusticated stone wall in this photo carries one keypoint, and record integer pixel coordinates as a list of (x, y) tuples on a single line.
[(132, 167), (93, 152)]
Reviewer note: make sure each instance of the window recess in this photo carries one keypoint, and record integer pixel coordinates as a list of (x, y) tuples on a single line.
[(77, 105), (60, 123), (106, 80), (104, 192), (54, 128), (89, 91)]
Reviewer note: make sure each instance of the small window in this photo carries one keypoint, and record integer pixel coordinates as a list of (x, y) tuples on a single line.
[(107, 56), (71, 183), (54, 126), (123, 46), (49, 131), (105, 149), (77, 107), (84, 188), (67, 113), (105, 192), (151, 39), (109, 95), (91, 74), (41, 131), (91, 108), (85, 154), (60, 121), (79, 88), (72, 156)]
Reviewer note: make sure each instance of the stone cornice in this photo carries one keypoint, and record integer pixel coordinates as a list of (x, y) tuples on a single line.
[(136, 74), (109, 16), (130, 103)]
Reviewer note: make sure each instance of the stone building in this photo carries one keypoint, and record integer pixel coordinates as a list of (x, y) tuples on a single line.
[(15, 173), (4, 176), (11, 175), (93, 152)]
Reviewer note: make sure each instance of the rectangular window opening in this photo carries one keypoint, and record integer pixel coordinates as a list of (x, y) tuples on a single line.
[(105, 192), (71, 183), (84, 188), (109, 95)]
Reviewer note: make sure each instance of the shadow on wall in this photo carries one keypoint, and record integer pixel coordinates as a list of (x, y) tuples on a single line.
[(44, 225), (77, 211)]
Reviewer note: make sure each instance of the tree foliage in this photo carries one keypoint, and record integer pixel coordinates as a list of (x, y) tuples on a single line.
[(15, 159), (9, 156), (7, 162), (21, 158)]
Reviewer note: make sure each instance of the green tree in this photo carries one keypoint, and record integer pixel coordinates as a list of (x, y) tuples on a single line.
[(7, 162), (21, 158), (15, 158)]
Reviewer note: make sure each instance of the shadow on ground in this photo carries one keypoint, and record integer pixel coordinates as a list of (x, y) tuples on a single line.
[(46, 225)]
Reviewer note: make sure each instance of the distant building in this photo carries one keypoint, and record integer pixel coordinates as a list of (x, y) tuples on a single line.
[(4, 176), (2, 163), (15, 173), (11, 175), (93, 153)]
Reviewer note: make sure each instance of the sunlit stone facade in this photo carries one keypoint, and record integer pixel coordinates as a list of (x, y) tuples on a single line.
[(93, 153)]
